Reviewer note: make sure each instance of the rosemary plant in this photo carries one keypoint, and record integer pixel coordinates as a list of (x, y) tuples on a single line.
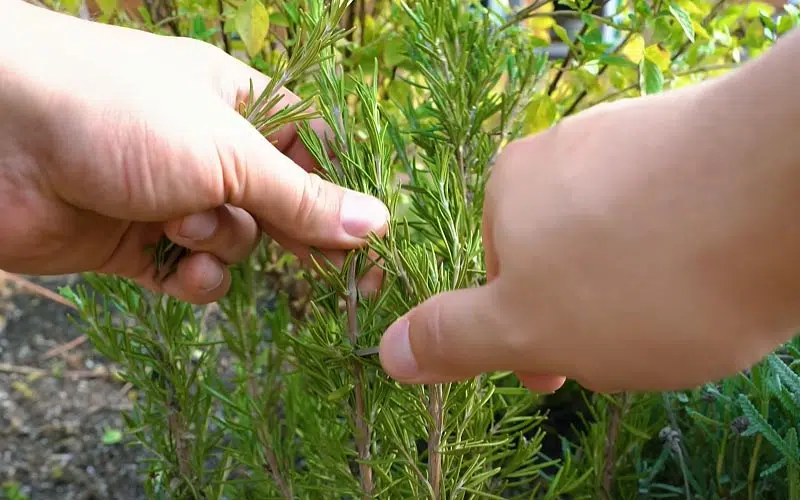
[(265, 394)]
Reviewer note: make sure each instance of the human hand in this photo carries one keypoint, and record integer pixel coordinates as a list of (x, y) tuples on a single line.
[(124, 136), (642, 245)]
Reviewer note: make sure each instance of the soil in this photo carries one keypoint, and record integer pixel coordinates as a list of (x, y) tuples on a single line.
[(54, 413)]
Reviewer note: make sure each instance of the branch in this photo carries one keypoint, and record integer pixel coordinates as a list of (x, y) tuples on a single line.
[(435, 438), (98, 373), (362, 427), (362, 19), (272, 466), (568, 59), (574, 14), (602, 70), (226, 44), (611, 440), (524, 13), (713, 67), (32, 287), (163, 12)]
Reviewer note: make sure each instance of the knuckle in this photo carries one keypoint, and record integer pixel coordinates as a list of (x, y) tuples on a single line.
[(512, 156), (238, 235), (312, 197), (197, 47), (435, 350), (429, 340)]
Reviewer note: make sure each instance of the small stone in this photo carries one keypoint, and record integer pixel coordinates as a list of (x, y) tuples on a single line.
[(24, 352)]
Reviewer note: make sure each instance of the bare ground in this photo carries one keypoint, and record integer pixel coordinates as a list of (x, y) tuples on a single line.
[(54, 413)]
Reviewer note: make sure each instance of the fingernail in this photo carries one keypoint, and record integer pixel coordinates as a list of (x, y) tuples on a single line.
[(199, 226), (211, 279), (396, 354), (362, 214)]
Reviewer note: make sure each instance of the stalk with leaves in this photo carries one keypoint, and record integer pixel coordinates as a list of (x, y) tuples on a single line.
[(258, 396)]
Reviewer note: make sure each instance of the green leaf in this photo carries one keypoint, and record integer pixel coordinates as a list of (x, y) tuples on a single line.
[(112, 436), (394, 51), (252, 23), (683, 19), (616, 60), (279, 19), (785, 24), (651, 79), (199, 28), (562, 34), (769, 23)]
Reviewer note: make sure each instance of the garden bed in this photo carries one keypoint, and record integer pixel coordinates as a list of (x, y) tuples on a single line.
[(56, 413)]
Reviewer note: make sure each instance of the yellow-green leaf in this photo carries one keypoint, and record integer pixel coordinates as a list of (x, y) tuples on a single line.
[(785, 24), (108, 7), (700, 31), (754, 10), (252, 23), (542, 22), (634, 49), (340, 393), (691, 7), (540, 114), (394, 51), (71, 6), (659, 56), (617, 78), (398, 92)]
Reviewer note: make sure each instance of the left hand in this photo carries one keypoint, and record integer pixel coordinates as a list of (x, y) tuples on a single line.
[(123, 136)]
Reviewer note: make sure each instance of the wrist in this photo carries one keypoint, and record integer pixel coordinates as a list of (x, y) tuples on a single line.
[(24, 128), (22, 79), (741, 136), (751, 114)]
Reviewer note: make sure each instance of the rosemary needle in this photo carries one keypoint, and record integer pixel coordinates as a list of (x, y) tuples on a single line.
[(167, 255), (367, 351)]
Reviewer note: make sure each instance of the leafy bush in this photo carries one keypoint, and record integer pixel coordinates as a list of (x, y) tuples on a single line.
[(262, 395)]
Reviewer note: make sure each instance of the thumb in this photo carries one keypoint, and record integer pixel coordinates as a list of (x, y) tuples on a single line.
[(281, 194), (450, 337)]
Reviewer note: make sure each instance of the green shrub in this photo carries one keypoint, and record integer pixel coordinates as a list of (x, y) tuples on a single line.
[(262, 395)]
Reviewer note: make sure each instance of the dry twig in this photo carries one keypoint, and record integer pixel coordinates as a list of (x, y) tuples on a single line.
[(97, 373)]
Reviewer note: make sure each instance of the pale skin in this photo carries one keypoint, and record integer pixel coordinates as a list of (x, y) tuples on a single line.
[(647, 244)]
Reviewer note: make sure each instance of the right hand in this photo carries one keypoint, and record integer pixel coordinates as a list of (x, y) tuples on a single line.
[(621, 252)]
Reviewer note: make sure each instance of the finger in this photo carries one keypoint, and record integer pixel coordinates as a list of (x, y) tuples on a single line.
[(452, 336), (200, 278), (487, 227), (274, 189), (228, 232), (368, 284), (541, 383)]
